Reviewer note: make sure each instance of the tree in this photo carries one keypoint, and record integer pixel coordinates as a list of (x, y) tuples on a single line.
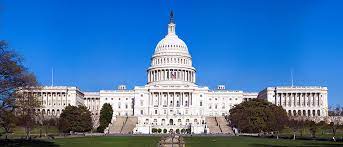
[(159, 130), (335, 114), (276, 119), (322, 125), (45, 122), (106, 113), (313, 127), (304, 121), (257, 116), (8, 122), (26, 103), (76, 119), (153, 130), (295, 124), (49, 123), (14, 80), (164, 130)]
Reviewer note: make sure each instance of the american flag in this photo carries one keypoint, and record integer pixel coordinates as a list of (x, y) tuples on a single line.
[(173, 75)]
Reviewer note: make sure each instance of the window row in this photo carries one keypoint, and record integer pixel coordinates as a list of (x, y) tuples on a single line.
[(173, 121), (304, 113), (162, 46), (222, 99), (157, 61), (114, 98)]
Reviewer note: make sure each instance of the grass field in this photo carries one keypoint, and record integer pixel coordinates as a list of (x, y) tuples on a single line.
[(107, 141), (20, 132), (251, 141), (135, 141), (139, 141)]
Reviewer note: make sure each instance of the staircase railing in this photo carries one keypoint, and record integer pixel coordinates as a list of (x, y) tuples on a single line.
[(124, 123), (218, 124)]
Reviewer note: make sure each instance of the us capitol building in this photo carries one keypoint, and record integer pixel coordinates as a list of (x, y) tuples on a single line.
[(171, 99)]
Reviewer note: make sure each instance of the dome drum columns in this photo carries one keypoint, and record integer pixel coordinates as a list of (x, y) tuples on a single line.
[(156, 75)]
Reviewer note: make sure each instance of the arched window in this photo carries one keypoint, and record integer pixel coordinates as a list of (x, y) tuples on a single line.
[(171, 122), (318, 112)]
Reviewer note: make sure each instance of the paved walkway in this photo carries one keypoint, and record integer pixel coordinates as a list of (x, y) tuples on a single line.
[(170, 141)]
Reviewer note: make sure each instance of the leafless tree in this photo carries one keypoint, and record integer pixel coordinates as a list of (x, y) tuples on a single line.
[(26, 104), (14, 79), (336, 114)]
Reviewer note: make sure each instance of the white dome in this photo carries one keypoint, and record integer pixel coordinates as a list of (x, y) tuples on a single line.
[(171, 44), (171, 63)]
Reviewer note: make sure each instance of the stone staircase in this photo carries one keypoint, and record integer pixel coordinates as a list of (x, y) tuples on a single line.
[(130, 124), (224, 125), (117, 125), (218, 125), (123, 125), (213, 125)]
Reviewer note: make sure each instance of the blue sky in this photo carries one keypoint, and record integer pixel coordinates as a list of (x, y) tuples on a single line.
[(245, 44)]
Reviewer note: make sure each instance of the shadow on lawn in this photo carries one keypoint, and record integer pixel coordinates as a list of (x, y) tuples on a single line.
[(305, 144), (26, 143)]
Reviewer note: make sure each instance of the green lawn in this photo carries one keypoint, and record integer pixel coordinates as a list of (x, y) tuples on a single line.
[(251, 141), (139, 141), (109, 141), (20, 132)]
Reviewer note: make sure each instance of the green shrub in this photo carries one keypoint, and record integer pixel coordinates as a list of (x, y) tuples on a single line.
[(153, 130)]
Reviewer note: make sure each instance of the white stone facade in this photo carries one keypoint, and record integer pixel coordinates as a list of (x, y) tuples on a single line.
[(299, 101), (55, 98), (172, 100)]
